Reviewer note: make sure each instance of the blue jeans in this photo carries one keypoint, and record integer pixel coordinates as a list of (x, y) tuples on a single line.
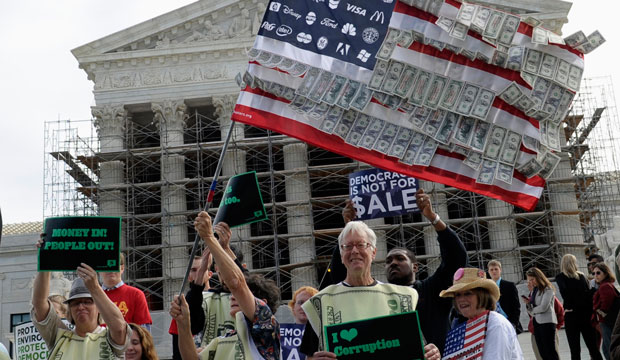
[(606, 339)]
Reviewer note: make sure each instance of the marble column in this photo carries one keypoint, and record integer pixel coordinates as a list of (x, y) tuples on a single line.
[(440, 207), (170, 118), (503, 236), (299, 221), (234, 163)]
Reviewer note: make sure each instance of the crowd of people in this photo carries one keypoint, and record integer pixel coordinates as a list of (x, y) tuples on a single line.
[(234, 317)]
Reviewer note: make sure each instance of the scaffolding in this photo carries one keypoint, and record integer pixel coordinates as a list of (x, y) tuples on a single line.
[(159, 184)]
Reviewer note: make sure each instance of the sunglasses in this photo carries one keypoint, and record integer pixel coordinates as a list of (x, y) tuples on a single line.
[(598, 273)]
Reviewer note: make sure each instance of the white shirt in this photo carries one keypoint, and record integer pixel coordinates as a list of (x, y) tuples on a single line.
[(501, 342)]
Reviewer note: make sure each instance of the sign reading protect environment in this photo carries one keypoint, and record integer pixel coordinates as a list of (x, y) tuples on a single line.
[(242, 202), (387, 337), (70, 241)]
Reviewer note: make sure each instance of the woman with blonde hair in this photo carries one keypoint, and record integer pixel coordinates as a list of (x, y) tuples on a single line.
[(540, 307), (575, 291), (141, 346), (605, 303), (300, 296)]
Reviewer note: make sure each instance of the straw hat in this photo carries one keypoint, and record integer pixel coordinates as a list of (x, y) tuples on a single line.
[(471, 278)]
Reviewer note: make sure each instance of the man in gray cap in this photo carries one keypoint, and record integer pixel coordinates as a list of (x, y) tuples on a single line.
[(88, 304)]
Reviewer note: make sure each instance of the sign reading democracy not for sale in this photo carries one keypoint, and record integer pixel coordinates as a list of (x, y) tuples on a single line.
[(378, 193), (28, 343), (70, 241)]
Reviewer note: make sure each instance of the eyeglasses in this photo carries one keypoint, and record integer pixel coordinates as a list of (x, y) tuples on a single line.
[(85, 302), (597, 272), (359, 246)]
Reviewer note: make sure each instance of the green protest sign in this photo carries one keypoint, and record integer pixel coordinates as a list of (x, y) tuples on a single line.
[(242, 202), (70, 241), (386, 337)]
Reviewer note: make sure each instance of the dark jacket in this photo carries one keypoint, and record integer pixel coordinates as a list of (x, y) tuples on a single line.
[(509, 301)]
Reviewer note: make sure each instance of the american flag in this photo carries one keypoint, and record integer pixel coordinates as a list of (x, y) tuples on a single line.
[(339, 42), (466, 341)]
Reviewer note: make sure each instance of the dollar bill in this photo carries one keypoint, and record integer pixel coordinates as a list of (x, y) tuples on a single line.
[(405, 39), (289, 93), (426, 152), (372, 133), (386, 138), (445, 23), (418, 37), (464, 130), (380, 96), (471, 55), (331, 119), (345, 123), (533, 59), (392, 102), (433, 95), (308, 106), (362, 98), (418, 117), (248, 79), (473, 160), (539, 36), (483, 104), (420, 87), (259, 83), (564, 107), (297, 103), (311, 77), (553, 137), (401, 142), (511, 94), (458, 149), (510, 148), (350, 89), (483, 57), (264, 57), (530, 168), (405, 107), (299, 69), (530, 143), (549, 162), (532, 21), (454, 49), (239, 80), (358, 129), (575, 39), (277, 89), (561, 73), (542, 128), (548, 66), (529, 78), (487, 172), (466, 101), (287, 64), (378, 74), (539, 92), (480, 20), (407, 80), (451, 95), (319, 111), (439, 45), (320, 87), (392, 77), (499, 58), (508, 30), (276, 60), (481, 134), (555, 38), (552, 102), (253, 53), (334, 90), (574, 77), (466, 13), (504, 173), (433, 122), (420, 4), (494, 24), (593, 41), (385, 51), (417, 139), (495, 142), (447, 127), (434, 6), (524, 103), (459, 31)]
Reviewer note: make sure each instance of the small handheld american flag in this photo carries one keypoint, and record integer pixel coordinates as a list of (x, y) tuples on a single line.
[(466, 341)]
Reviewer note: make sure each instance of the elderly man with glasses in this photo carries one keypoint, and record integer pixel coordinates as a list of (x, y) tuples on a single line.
[(350, 299)]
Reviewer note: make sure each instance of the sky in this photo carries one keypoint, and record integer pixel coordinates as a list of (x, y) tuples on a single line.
[(40, 80)]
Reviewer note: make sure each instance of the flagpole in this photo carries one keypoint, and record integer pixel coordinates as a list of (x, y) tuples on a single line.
[(208, 204)]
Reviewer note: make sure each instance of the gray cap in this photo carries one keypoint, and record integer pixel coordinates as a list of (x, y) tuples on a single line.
[(78, 290)]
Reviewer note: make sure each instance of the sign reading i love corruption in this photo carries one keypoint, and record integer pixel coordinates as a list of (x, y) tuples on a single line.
[(455, 93)]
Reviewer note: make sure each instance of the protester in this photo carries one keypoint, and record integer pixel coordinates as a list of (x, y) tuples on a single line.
[(605, 303), (359, 296), (474, 295), (401, 267), (87, 305), (130, 300), (257, 333), (575, 291), (300, 296), (540, 306), (593, 260), (141, 346), (509, 296)]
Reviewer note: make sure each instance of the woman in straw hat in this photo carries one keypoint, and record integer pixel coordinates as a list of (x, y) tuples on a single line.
[(474, 295)]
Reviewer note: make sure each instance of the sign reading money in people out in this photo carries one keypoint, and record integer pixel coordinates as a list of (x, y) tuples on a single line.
[(28, 342), (290, 341), (242, 202), (386, 337), (378, 193), (70, 241)]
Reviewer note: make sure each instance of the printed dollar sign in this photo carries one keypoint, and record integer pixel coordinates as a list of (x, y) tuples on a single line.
[(359, 208)]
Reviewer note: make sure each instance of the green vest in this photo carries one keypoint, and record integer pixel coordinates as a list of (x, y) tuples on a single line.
[(236, 347), (217, 316), (338, 303)]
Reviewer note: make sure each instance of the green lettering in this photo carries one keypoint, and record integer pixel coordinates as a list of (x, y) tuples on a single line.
[(335, 338), (395, 343), (48, 244), (85, 232), (372, 347), (338, 350), (108, 245), (56, 233), (380, 345), (388, 344)]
